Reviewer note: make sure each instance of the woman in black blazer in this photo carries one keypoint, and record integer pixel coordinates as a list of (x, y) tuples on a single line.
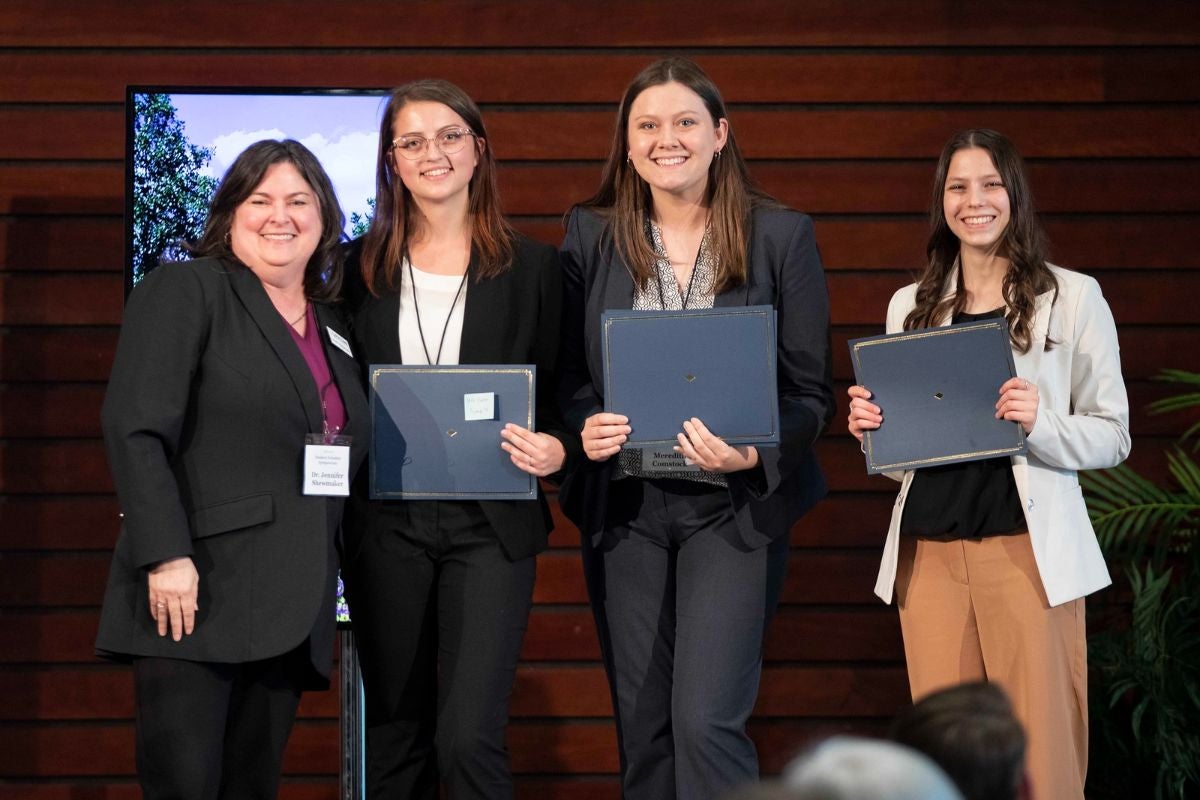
[(440, 591), (685, 564), (225, 365)]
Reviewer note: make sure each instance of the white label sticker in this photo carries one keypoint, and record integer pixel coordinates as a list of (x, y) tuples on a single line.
[(327, 470), (658, 461), (339, 341), (479, 405)]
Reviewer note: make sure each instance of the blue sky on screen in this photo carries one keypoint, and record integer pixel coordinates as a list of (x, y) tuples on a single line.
[(342, 131)]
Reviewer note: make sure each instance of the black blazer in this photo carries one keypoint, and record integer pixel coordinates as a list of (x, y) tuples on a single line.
[(512, 318), (785, 272), (204, 420)]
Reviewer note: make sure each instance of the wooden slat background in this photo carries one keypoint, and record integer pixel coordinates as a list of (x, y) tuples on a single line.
[(841, 107)]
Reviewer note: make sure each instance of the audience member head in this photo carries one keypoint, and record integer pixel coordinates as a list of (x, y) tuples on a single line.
[(971, 733), (764, 790), (849, 768)]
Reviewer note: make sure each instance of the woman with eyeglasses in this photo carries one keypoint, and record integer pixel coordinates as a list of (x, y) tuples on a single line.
[(440, 591), (685, 564)]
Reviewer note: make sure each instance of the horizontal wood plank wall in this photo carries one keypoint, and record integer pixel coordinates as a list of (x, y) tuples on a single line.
[(841, 108)]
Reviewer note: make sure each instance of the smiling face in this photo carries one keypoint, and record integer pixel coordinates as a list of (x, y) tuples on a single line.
[(434, 177), (975, 201), (672, 140), (277, 228)]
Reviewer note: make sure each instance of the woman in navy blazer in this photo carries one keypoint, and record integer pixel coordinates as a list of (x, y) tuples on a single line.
[(225, 364), (685, 565), (440, 591)]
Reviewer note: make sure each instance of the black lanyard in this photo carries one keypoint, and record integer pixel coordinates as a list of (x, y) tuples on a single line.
[(417, 312), (687, 295)]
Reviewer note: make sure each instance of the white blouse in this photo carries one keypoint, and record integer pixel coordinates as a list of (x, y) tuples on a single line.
[(440, 302)]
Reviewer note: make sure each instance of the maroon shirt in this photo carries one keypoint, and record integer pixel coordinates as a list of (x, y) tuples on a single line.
[(314, 356)]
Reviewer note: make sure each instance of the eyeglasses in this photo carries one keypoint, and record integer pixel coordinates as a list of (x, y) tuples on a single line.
[(414, 146)]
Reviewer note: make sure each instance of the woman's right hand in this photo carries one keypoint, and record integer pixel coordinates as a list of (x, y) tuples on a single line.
[(603, 434), (864, 415), (174, 587)]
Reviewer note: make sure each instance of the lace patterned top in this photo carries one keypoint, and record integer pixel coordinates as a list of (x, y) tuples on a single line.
[(663, 294)]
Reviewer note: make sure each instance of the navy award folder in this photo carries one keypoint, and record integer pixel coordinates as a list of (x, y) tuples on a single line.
[(435, 431), (937, 389), (718, 364)]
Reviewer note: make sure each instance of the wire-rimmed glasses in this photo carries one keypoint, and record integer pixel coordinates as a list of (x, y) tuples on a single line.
[(413, 146)]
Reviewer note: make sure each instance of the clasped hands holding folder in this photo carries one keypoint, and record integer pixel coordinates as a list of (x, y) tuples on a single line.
[(604, 433)]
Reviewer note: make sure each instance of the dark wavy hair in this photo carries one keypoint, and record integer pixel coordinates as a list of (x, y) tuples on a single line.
[(971, 732), (624, 198), (1023, 243), (323, 274), (386, 241)]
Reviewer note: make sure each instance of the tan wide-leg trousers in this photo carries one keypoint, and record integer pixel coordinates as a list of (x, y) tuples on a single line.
[(976, 610)]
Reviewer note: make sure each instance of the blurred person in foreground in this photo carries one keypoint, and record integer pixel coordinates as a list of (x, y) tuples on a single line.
[(850, 768), (969, 731)]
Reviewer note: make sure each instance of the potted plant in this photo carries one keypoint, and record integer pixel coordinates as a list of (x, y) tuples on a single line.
[(1145, 651)]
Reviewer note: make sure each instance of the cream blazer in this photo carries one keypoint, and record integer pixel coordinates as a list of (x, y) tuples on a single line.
[(1082, 423)]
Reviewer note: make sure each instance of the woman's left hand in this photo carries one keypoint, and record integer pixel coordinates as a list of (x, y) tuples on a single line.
[(539, 454), (1018, 403), (700, 446)]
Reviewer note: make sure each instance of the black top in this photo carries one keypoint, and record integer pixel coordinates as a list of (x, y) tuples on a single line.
[(511, 318), (964, 501)]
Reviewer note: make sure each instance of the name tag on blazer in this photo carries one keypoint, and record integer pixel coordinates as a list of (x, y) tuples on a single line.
[(326, 465)]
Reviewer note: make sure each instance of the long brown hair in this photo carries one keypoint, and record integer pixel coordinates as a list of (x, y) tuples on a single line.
[(1023, 243), (386, 240), (624, 198), (323, 273)]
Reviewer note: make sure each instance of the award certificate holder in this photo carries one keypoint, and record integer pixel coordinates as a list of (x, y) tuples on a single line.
[(436, 431), (718, 365), (938, 389)]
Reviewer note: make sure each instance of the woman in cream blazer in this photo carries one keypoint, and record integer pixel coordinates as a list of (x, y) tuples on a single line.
[(1083, 423), (990, 561)]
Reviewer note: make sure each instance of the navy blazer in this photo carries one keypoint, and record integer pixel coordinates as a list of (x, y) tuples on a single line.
[(204, 421), (785, 272), (512, 318)]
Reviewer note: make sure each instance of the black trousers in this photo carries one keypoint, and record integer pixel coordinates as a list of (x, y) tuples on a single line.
[(682, 608), (439, 614), (208, 731)]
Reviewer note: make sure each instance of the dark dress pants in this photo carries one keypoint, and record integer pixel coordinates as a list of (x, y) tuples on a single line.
[(439, 614), (207, 731), (682, 607)]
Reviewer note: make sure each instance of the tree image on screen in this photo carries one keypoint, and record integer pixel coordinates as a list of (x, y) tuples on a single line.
[(170, 192), (361, 222)]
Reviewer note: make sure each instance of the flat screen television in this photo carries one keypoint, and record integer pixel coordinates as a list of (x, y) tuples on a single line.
[(181, 139)]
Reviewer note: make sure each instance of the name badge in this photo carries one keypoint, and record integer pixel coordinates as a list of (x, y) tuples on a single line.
[(339, 341), (479, 405), (661, 461), (327, 465)]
